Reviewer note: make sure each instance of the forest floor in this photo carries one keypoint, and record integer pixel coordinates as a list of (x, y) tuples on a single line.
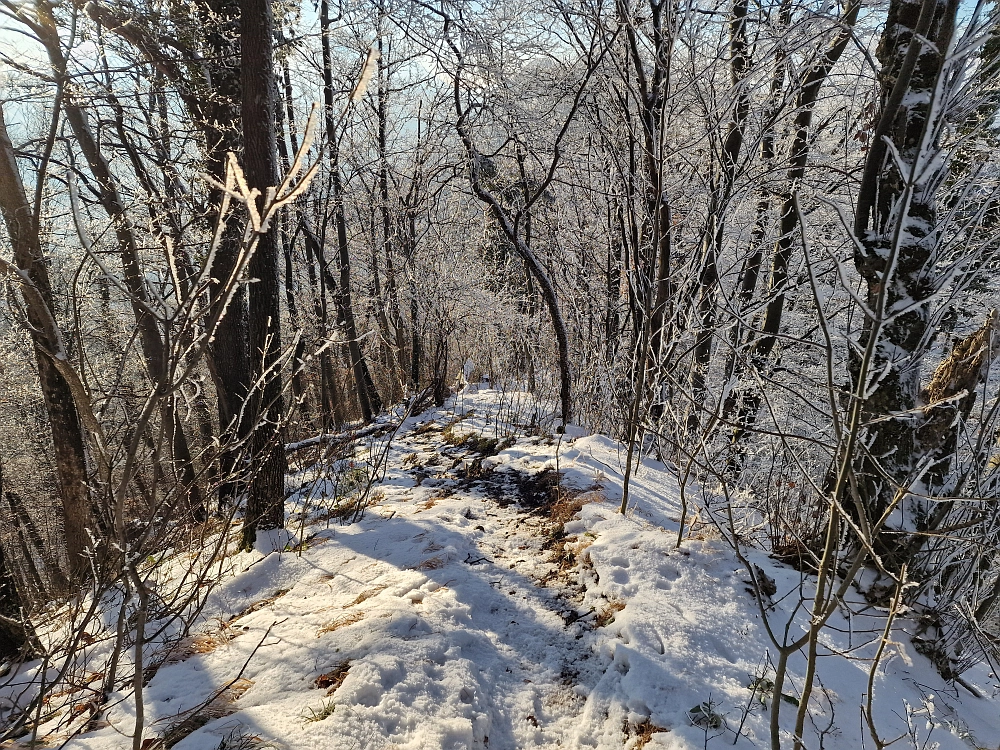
[(492, 597)]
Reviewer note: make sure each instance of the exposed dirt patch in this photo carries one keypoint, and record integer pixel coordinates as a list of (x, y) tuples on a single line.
[(330, 681), (545, 494), (801, 555)]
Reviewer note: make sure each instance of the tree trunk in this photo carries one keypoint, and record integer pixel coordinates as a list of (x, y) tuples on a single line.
[(285, 117), (368, 398), (750, 399), (896, 223), (14, 635), (151, 340), (221, 125), (265, 500), (68, 437)]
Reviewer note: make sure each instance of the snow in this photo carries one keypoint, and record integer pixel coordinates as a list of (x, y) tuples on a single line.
[(453, 616)]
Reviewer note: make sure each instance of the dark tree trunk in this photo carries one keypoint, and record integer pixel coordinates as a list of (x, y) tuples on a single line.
[(151, 338), (718, 204), (14, 636), (221, 124), (286, 118), (368, 397), (750, 399), (265, 500), (68, 438), (408, 233), (387, 308), (331, 396), (655, 272), (896, 225), (212, 98)]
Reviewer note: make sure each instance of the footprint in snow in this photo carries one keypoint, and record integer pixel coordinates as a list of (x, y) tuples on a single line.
[(669, 572)]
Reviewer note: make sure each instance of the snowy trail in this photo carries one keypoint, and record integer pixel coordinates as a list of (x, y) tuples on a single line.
[(433, 599), (454, 616)]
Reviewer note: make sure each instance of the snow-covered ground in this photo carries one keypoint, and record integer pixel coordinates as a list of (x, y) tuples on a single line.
[(466, 609)]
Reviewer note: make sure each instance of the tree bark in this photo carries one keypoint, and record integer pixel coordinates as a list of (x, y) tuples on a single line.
[(896, 224), (68, 437), (217, 112), (750, 399), (151, 340), (285, 118), (14, 635), (368, 397), (265, 500)]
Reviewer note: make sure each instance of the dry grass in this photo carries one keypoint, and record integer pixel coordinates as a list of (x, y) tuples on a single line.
[(643, 733), (313, 540), (338, 512), (427, 427), (607, 615), (341, 622), (433, 426), (84, 684), (349, 508), (431, 563), (546, 495), (184, 725), (260, 604), (565, 553), (325, 711), (569, 501), (366, 595), (206, 643), (202, 643), (703, 531)]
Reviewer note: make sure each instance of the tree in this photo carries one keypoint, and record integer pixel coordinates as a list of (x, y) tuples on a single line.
[(898, 234), (68, 437), (266, 492)]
